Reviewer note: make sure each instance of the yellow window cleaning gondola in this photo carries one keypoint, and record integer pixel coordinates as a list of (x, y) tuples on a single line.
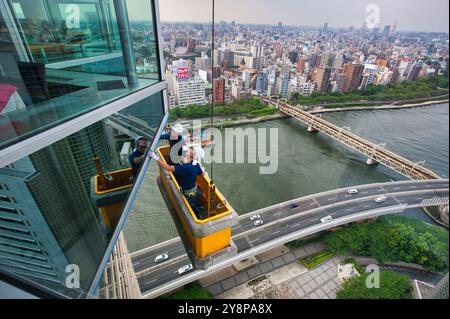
[(205, 229)]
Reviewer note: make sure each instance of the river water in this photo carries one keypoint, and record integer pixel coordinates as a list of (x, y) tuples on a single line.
[(309, 163)]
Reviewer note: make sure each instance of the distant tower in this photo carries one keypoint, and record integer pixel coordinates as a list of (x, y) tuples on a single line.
[(386, 31), (394, 29)]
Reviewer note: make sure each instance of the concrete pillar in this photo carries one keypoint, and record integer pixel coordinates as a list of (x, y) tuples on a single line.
[(444, 214), (126, 43), (371, 161)]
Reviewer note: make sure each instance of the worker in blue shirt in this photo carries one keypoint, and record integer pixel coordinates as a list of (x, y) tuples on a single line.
[(187, 174), (137, 157), (178, 143)]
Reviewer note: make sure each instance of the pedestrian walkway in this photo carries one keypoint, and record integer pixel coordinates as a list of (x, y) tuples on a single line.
[(286, 275)]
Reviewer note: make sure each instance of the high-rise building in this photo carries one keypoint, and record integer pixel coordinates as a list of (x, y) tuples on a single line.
[(369, 75), (386, 31), (282, 85), (307, 88), (218, 57), (353, 74), (324, 59), (203, 62), (258, 56), (262, 83), (322, 79), (313, 58), (414, 72), (219, 90), (246, 78), (190, 91), (293, 56), (325, 27), (257, 51), (339, 81), (236, 89), (301, 64), (338, 62)]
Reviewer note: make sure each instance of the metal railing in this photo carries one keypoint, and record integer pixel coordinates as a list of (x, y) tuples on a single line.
[(119, 280)]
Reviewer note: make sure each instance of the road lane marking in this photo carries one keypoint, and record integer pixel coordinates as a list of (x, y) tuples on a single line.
[(294, 226), (147, 283), (277, 232)]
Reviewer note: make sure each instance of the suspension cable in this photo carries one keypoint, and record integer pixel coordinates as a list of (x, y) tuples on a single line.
[(213, 78)]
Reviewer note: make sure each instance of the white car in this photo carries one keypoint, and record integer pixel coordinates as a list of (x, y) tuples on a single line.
[(352, 191), (380, 199), (326, 219), (258, 222), (185, 269), (255, 217), (161, 258)]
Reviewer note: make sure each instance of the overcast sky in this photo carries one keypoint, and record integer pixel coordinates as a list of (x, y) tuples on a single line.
[(411, 15)]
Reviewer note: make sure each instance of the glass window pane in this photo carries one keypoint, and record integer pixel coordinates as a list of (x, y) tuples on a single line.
[(62, 58), (55, 212)]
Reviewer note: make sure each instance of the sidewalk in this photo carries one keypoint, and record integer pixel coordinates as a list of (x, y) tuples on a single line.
[(278, 270)]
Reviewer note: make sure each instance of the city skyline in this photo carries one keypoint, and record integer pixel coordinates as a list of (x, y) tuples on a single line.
[(430, 16)]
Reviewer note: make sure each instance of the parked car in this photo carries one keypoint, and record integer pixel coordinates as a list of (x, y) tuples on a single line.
[(255, 217), (258, 222), (161, 258), (380, 199), (352, 191), (185, 269), (294, 206), (326, 219)]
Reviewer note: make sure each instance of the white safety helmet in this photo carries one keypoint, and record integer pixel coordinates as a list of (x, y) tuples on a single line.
[(199, 153), (178, 128), (137, 139)]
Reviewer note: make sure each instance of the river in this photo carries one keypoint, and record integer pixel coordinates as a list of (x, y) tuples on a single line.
[(309, 163)]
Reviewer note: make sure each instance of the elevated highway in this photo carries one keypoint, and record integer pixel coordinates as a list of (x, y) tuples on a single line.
[(286, 222)]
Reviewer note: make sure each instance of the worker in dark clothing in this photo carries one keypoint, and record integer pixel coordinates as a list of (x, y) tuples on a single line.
[(187, 174), (138, 156)]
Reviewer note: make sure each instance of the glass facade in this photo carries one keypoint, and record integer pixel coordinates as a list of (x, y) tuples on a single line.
[(49, 216), (63, 58), (63, 204)]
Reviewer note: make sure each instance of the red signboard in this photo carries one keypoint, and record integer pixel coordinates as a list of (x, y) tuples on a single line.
[(183, 73)]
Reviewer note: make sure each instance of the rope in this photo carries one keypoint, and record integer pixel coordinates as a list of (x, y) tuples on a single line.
[(212, 76)]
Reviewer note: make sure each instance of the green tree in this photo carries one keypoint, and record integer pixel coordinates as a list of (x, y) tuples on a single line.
[(392, 286), (394, 238)]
